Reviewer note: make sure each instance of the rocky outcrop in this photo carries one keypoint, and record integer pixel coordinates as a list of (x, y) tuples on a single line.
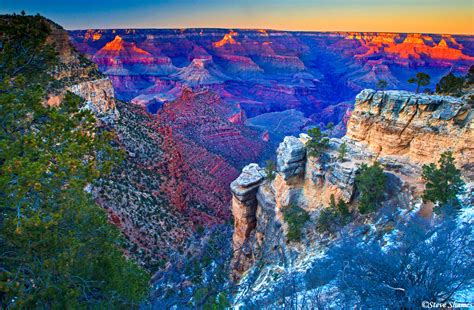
[(291, 155), (99, 93), (76, 74), (417, 126), (393, 128), (244, 205)]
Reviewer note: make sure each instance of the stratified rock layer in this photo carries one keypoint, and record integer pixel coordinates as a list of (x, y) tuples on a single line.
[(400, 130), (417, 126)]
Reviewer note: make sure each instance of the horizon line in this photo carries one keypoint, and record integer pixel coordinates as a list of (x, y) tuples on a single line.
[(269, 29)]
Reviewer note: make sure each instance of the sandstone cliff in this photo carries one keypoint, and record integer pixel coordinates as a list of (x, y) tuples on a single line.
[(80, 76), (400, 130), (417, 126)]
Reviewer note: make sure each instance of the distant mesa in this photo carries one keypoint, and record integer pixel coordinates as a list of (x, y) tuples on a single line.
[(119, 57), (200, 71), (118, 47), (413, 46), (228, 39)]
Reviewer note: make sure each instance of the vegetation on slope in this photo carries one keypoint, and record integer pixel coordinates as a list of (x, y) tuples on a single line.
[(443, 183), (56, 248)]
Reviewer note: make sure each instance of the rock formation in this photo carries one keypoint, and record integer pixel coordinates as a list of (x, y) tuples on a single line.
[(261, 72), (398, 129), (417, 126), (79, 76)]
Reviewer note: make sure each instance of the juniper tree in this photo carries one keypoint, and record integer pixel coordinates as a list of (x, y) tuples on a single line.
[(421, 79), (443, 183), (370, 182), (317, 143)]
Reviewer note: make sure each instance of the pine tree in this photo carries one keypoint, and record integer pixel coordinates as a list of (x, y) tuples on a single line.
[(342, 151), (317, 143), (421, 79), (370, 182), (443, 183), (57, 249)]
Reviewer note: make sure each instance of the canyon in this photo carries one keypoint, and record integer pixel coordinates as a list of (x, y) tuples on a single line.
[(219, 191), (400, 130), (214, 100)]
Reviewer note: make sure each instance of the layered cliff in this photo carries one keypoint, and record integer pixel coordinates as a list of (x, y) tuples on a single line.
[(400, 130), (416, 126), (78, 75)]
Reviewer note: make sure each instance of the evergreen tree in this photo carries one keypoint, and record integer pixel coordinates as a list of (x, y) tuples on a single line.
[(270, 169), (443, 183), (382, 84), (57, 249), (450, 85), (370, 182), (342, 151), (421, 79), (317, 143)]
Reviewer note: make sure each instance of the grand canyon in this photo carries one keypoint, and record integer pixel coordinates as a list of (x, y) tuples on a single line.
[(238, 180)]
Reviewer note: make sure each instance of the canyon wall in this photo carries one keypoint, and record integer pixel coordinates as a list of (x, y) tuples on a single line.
[(417, 126), (384, 127), (77, 74)]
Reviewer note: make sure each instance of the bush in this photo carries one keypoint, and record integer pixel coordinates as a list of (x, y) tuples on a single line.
[(334, 216), (382, 84), (296, 217), (443, 184), (450, 85), (270, 169), (371, 183), (317, 143), (342, 151), (371, 274)]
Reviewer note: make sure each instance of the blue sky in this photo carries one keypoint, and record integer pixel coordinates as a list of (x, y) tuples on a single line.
[(433, 16)]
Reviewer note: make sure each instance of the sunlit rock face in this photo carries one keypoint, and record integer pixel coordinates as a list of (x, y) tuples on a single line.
[(399, 129), (265, 84), (317, 70), (417, 126)]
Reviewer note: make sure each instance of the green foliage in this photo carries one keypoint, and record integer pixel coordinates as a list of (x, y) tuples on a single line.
[(296, 217), (334, 216), (421, 79), (342, 151), (371, 183), (450, 85), (382, 84), (330, 126), (470, 75), (270, 169), (56, 248), (317, 143), (443, 183), (24, 49), (209, 300)]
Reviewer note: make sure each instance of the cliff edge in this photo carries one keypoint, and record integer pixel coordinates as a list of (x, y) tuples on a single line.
[(400, 130)]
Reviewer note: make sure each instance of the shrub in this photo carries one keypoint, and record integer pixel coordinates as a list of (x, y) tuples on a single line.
[(270, 169), (317, 143), (450, 84), (443, 184), (296, 217), (371, 183), (370, 274), (334, 216), (342, 151), (382, 84)]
